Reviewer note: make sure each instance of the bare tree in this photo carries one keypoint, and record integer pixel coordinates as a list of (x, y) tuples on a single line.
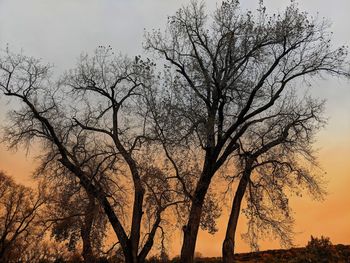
[(19, 218), (224, 73), (112, 89), (72, 215), (272, 163), (91, 114)]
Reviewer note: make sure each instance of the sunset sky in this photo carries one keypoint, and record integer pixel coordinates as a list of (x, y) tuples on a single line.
[(58, 31)]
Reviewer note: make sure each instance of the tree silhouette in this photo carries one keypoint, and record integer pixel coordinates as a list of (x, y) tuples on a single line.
[(72, 215), (225, 73), (89, 117), (273, 161), (20, 209), (140, 143)]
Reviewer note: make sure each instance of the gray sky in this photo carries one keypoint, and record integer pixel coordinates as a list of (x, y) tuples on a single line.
[(59, 30)]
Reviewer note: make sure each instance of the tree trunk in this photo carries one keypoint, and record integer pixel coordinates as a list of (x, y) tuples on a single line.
[(97, 192), (139, 192), (86, 229), (228, 245), (191, 230), (2, 254), (136, 219), (150, 240)]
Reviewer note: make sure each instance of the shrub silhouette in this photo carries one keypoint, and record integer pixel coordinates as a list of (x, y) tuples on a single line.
[(320, 250)]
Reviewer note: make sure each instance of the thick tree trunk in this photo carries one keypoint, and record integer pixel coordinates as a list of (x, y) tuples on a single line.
[(136, 220), (192, 227), (228, 245)]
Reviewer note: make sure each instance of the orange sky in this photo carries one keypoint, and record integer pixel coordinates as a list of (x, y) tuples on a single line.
[(330, 217)]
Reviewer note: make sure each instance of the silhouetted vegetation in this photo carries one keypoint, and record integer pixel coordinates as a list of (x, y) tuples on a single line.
[(133, 147), (20, 209), (228, 97), (316, 251)]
